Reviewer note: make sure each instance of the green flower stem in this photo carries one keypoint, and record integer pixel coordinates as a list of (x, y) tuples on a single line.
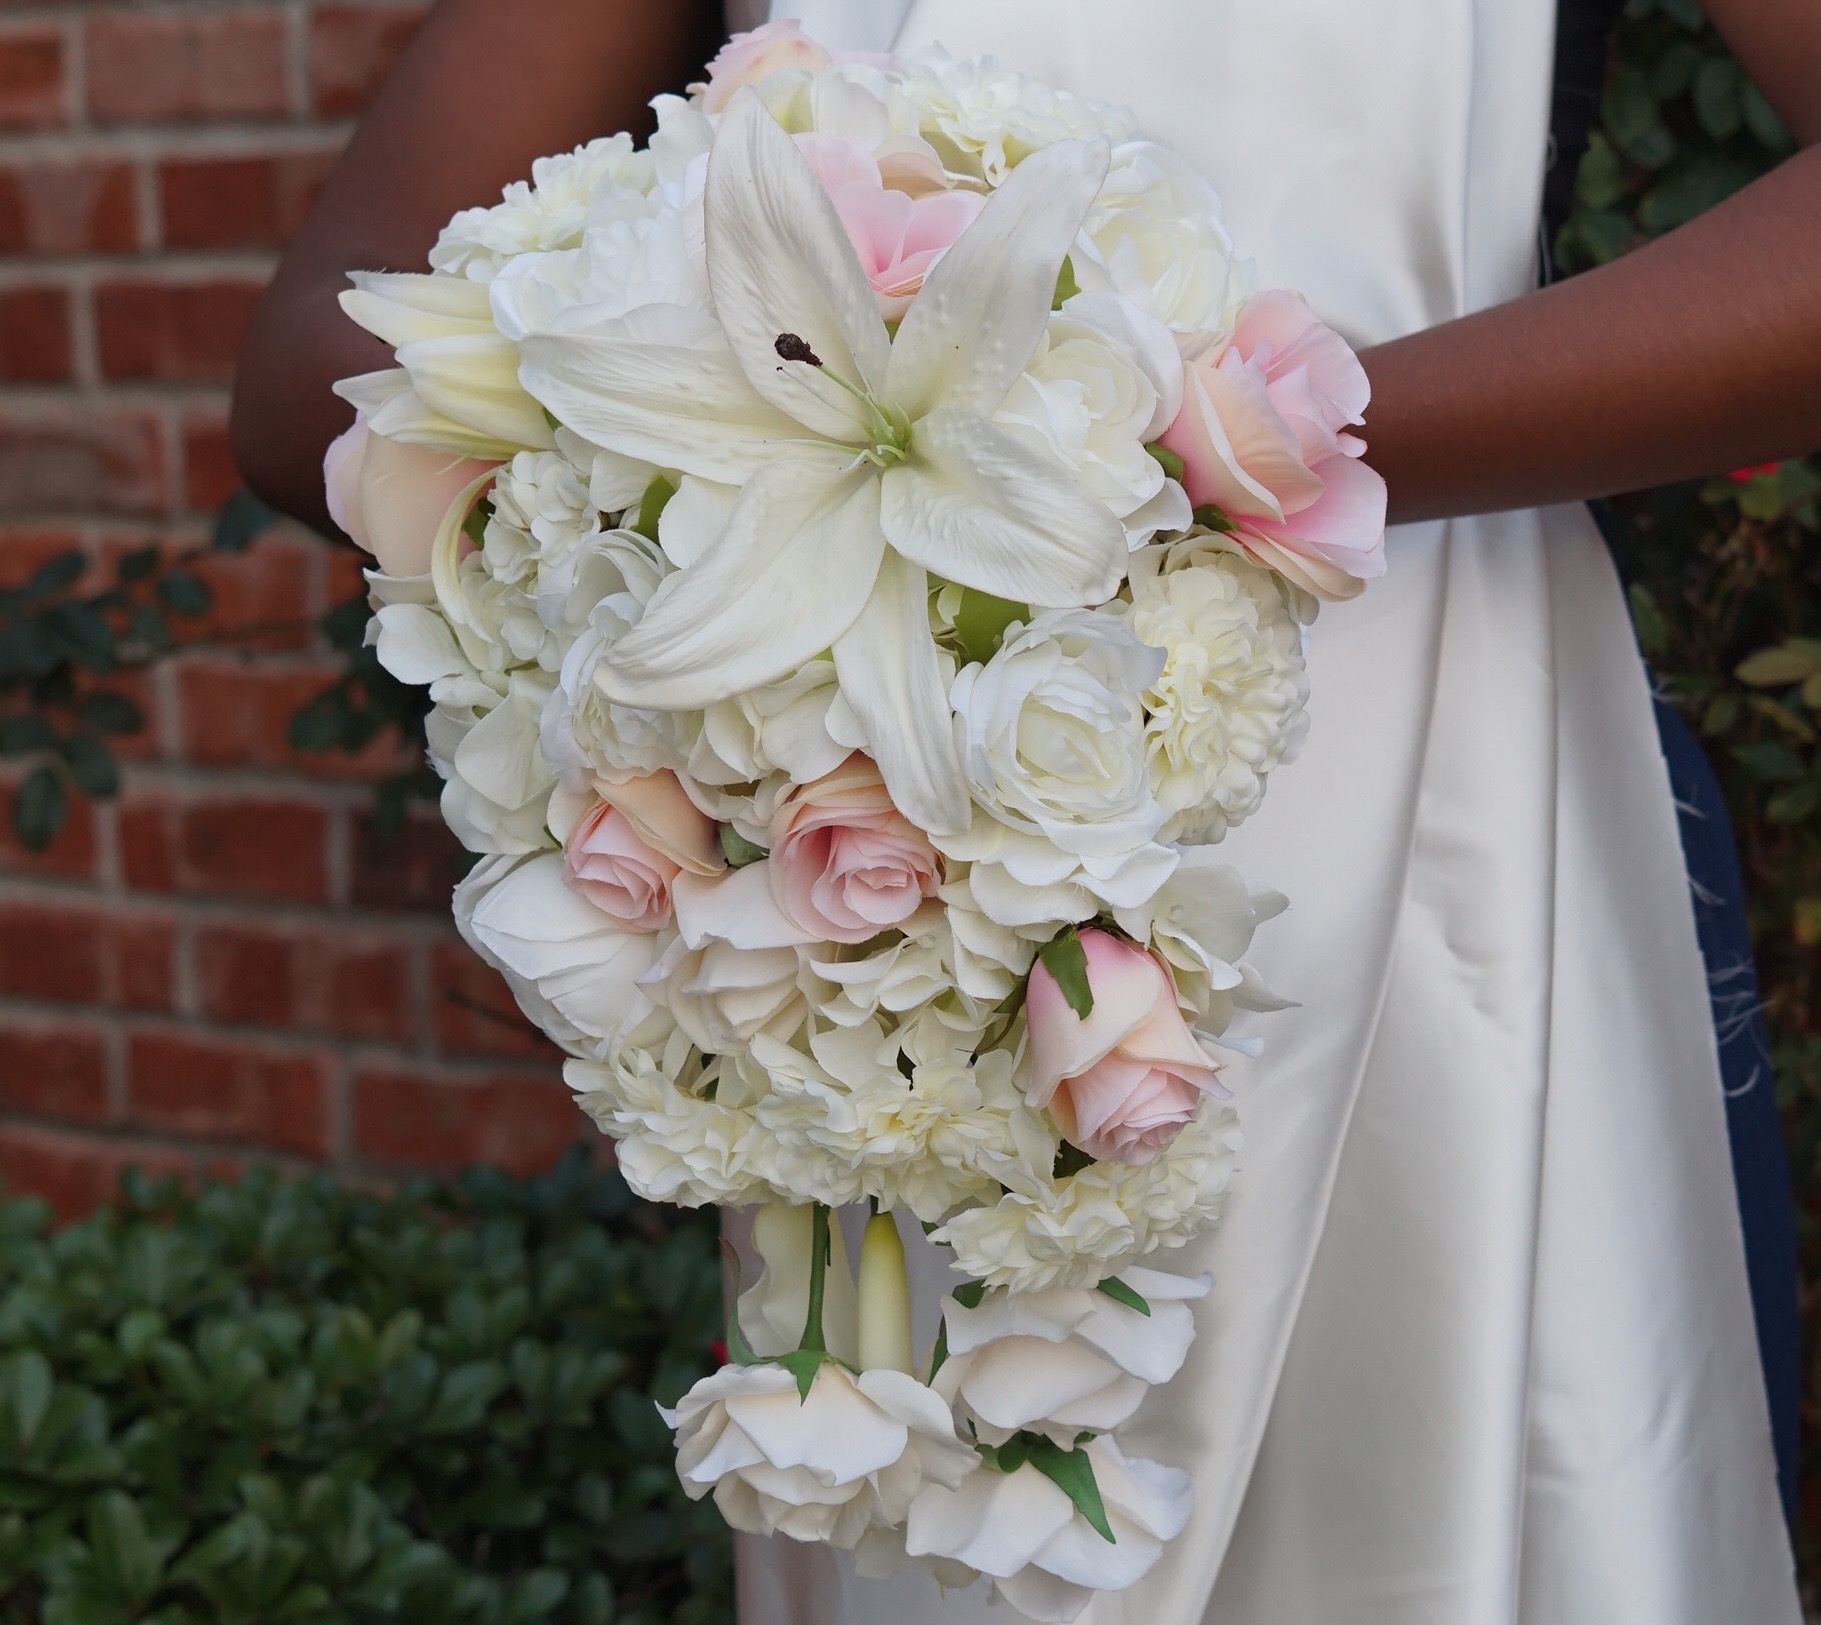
[(813, 1336)]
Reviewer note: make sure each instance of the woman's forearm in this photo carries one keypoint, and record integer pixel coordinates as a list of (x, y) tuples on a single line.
[(484, 88)]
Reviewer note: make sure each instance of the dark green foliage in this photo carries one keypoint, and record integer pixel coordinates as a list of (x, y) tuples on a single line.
[(1726, 573), (276, 1403)]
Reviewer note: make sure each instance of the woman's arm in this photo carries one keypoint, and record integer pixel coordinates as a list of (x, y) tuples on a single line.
[(1698, 352), (484, 88)]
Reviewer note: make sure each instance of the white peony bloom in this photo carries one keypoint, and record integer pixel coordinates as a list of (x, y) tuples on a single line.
[(549, 212), (1042, 1555), (855, 1453), (1154, 235), (1231, 701), (1066, 1361), (574, 971), (1201, 922), (983, 119), (1053, 751), (1086, 402), (1075, 1231)]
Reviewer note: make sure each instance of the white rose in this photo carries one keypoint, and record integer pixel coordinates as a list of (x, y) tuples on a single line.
[(548, 212), (1078, 1230), (1154, 234), (1201, 922), (1052, 745), (781, 728), (1231, 701), (574, 971), (826, 1468), (1066, 1361), (1043, 1557), (1085, 402)]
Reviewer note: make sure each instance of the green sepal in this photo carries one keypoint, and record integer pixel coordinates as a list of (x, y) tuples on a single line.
[(938, 1356), (1067, 961), (1072, 1472), (1172, 464), (474, 524), (981, 622), (738, 850), (803, 1364), (1210, 517), (1119, 1292), (651, 506), (1066, 285), (970, 1294)]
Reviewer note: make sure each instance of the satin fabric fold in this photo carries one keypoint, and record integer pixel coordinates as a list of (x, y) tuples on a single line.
[(1480, 1348)]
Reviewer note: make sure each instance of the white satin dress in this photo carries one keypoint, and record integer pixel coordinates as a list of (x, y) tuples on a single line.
[(1480, 1350)]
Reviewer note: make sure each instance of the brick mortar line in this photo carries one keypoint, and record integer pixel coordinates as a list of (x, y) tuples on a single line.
[(303, 135), (417, 929), (229, 783), (302, 1043), (155, 268), (181, 9), (127, 1135)]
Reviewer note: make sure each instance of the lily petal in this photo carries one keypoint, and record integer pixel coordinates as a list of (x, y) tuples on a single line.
[(402, 306), (891, 678), (779, 261), (969, 333), (473, 379), (974, 505), (790, 574), (659, 384)]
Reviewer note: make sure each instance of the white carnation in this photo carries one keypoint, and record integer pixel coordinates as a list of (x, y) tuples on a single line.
[(1053, 748), (1230, 702), (1080, 1229), (542, 514)]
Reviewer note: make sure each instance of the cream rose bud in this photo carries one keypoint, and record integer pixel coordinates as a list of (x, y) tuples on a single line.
[(1262, 436), (632, 842), (855, 1453), (1066, 1361), (1122, 1081), (845, 863), (1043, 1557), (391, 498)]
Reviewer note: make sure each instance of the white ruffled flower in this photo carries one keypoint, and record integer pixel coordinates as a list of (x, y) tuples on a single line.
[(989, 961), (542, 515), (1022, 1531), (855, 1453), (984, 119), (1155, 235), (1230, 703), (1201, 923), (574, 970), (1086, 402), (1092, 1224), (549, 212), (1066, 1361), (780, 728), (496, 783), (1053, 750)]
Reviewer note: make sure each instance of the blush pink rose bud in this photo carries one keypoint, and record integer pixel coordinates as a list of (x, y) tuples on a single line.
[(1262, 436), (897, 237), (1122, 1081), (845, 863), (391, 498), (625, 851), (750, 58)]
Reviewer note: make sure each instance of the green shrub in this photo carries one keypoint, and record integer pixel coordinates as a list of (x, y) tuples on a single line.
[(274, 1403)]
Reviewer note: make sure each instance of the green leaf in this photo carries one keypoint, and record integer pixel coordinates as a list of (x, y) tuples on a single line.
[(91, 765), (981, 621), (21, 735), (1770, 761), (1072, 1471), (241, 523), (139, 565), (29, 1385), (1792, 662), (1167, 460), (39, 809), (970, 1294), (1067, 961), (738, 850), (1717, 99), (651, 507), (112, 714), (1763, 121), (184, 594), (1066, 285), (56, 575), (1119, 1292)]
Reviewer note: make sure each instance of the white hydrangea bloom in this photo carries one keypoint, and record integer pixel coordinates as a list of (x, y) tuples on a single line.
[(1231, 701), (1078, 1230), (548, 212)]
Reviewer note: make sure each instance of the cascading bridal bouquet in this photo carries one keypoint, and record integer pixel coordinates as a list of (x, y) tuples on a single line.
[(858, 547)]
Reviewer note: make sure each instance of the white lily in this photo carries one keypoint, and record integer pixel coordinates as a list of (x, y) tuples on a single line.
[(865, 461)]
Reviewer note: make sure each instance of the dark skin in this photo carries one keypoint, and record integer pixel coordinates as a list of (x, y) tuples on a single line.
[(1698, 353)]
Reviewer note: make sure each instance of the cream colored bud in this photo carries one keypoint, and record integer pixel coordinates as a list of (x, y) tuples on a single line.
[(885, 1316)]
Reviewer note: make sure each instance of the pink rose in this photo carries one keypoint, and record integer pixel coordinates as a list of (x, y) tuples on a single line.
[(391, 498), (1122, 1082), (897, 237), (845, 863), (624, 853), (749, 58), (1261, 435)]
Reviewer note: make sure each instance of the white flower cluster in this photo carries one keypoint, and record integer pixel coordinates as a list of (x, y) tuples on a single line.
[(841, 682)]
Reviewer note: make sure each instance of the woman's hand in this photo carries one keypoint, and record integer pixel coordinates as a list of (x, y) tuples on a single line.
[(484, 88), (1696, 353)]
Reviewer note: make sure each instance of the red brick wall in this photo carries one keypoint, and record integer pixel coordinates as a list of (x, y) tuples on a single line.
[(231, 961)]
